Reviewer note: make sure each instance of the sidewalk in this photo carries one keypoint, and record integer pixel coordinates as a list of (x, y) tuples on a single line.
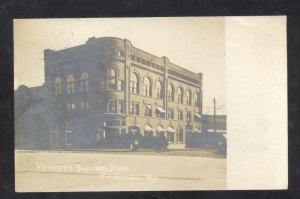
[(195, 152)]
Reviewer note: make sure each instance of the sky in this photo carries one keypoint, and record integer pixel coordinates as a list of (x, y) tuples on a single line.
[(194, 43)]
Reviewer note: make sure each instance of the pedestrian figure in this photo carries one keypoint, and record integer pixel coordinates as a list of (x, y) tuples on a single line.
[(135, 145)]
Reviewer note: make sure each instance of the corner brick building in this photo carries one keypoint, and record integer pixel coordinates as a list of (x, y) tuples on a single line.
[(107, 89)]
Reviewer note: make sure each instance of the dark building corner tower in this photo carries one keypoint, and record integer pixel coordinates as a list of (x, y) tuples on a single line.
[(107, 92)]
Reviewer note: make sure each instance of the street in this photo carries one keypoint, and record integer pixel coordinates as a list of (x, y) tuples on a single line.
[(58, 171)]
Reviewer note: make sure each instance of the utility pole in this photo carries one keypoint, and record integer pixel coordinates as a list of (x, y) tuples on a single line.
[(214, 101)]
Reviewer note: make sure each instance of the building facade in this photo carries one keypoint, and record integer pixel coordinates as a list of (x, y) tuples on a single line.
[(107, 90)]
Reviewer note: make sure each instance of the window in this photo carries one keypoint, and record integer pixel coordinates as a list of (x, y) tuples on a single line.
[(147, 87), (57, 86), (170, 92), (121, 107), (111, 78), (148, 110), (188, 116), (143, 61), (120, 85), (148, 63), (70, 84), (132, 57), (120, 53), (112, 52), (160, 112), (188, 97), (70, 106), (84, 84), (180, 95), (138, 59), (197, 100), (112, 106), (134, 83), (180, 115), (116, 106), (158, 90), (84, 106), (134, 108), (170, 113)]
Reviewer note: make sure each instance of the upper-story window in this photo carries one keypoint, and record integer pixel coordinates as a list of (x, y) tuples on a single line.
[(84, 106), (121, 106), (179, 95), (170, 113), (189, 116), (112, 106), (170, 92), (111, 78), (197, 98), (180, 115), (57, 86), (120, 85), (134, 83), (158, 90), (148, 110), (134, 108), (138, 59), (188, 97), (132, 57), (147, 87), (120, 53), (70, 84), (84, 84)]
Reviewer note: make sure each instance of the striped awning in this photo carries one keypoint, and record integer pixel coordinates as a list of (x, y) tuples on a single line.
[(160, 109), (135, 125), (171, 130), (148, 106), (148, 128), (197, 131), (198, 115), (160, 129)]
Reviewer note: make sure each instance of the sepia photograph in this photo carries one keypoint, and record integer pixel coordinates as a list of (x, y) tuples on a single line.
[(142, 104), (120, 104)]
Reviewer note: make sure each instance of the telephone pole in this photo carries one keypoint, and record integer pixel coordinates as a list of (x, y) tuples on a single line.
[(214, 101)]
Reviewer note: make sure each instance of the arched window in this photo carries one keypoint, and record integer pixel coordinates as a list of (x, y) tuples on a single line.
[(188, 97), (57, 86), (170, 92), (134, 83), (84, 84), (111, 78), (158, 89), (180, 95), (147, 87), (197, 100), (70, 84)]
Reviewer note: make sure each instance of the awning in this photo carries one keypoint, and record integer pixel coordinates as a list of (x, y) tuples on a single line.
[(160, 109), (136, 125), (197, 131), (197, 115), (160, 129), (148, 128), (171, 130)]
